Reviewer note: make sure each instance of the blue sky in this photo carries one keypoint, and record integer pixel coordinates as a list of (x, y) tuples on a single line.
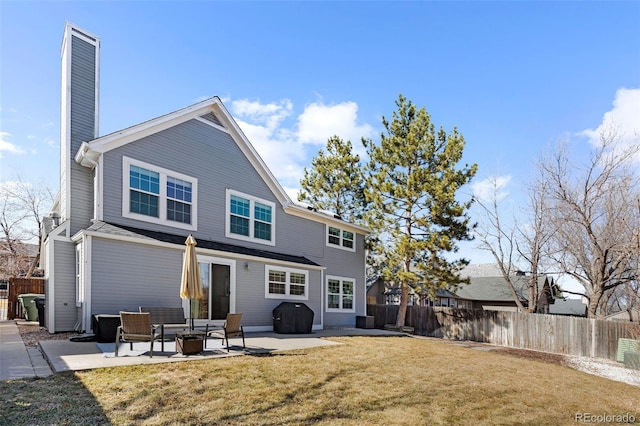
[(514, 77)]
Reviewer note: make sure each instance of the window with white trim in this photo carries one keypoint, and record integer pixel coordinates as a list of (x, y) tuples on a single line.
[(286, 283), (154, 194), (250, 218), (340, 294), (341, 238)]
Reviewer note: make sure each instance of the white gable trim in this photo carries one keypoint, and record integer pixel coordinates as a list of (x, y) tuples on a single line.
[(118, 139)]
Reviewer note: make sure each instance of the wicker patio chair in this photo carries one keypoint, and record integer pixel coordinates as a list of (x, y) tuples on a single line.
[(231, 328), (136, 327)]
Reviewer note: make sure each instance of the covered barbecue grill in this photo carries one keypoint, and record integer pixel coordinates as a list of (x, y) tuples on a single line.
[(292, 318)]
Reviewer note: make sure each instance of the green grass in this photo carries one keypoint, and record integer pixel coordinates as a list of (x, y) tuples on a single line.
[(367, 380)]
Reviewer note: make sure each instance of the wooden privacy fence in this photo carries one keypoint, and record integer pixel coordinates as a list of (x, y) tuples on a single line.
[(18, 286), (549, 333)]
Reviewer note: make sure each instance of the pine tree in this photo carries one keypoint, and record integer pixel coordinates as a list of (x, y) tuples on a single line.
[(335, 181), (411, 184)]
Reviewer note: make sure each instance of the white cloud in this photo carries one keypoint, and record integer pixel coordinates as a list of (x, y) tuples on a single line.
[(622, 120), (486, 189), (271, 115), (283, 143), (319, 122), (7, 146)]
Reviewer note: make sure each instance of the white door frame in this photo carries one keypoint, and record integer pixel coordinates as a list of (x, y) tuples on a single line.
[(232, 286)]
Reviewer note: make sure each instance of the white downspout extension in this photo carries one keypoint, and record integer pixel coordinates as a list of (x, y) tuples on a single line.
[(322, 299), (50, 288), (86, 283), (97, 196)]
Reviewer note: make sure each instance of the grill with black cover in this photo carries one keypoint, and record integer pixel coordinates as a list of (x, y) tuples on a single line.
[(292, 318)]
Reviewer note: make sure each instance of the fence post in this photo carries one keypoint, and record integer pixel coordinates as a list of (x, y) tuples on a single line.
[(593, 337)]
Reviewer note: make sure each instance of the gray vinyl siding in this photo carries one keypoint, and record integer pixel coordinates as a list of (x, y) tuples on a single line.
[(125, 276), (211, 156), (82, 125), (343, 263), (256, 308), (64, 268), (197, 150)]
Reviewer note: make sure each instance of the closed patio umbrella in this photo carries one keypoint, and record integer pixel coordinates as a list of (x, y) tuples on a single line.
[(190, 287)]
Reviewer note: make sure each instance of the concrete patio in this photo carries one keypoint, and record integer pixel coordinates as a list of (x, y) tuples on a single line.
[(55, 356)]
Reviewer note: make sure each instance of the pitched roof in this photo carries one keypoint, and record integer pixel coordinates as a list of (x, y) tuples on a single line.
[(131, 232), (495, 288), (212, 112)]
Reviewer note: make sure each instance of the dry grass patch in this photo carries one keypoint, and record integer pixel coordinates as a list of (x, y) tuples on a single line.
[(367, 380)]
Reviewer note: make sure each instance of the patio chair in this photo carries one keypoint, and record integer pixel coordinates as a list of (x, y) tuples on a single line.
[(136, 327), (231, 328)]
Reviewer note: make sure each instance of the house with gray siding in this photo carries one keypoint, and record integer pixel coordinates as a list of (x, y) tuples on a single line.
[(129, 199)]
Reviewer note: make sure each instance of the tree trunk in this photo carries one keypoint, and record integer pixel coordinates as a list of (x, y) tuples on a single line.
[(33, 265), (404, 301), (532, 298), (594, 302)]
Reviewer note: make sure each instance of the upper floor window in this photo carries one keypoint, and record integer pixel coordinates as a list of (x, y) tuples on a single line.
[(158, 195), (250, 218), (341, 238), (286, 283), (340, 294)]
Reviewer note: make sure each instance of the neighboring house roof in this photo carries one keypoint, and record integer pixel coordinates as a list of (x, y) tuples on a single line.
[(212, 112), (494, 289), (481, 270), (131, 232), (573, 307), (624, 315)]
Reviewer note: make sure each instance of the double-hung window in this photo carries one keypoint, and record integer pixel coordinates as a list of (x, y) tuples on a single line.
[(154, 194), (340, 294), (250, 218), (341, 238), (286, 283)]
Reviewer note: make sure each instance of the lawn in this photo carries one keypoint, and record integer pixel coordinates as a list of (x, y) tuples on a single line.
[(367, 380)]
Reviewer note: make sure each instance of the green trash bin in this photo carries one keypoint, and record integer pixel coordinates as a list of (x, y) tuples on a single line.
[(29, 308)]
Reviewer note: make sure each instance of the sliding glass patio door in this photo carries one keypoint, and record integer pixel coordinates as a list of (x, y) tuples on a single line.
[(217, 277)]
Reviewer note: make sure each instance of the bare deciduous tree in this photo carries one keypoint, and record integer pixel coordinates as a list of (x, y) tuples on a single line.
[(496, 237), (534, 236), (592, 211), (22, 205), (519, 246)]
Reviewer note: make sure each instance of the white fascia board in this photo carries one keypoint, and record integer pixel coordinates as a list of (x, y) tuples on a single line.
[(131, 134), (149, 127), (201, 251), (303, 212)]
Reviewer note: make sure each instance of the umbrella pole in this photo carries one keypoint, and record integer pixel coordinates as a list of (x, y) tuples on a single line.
[(191, 312)]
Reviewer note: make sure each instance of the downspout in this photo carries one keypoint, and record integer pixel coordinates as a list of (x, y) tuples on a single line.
[(86, 282), (322, 299), (97, 196)]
